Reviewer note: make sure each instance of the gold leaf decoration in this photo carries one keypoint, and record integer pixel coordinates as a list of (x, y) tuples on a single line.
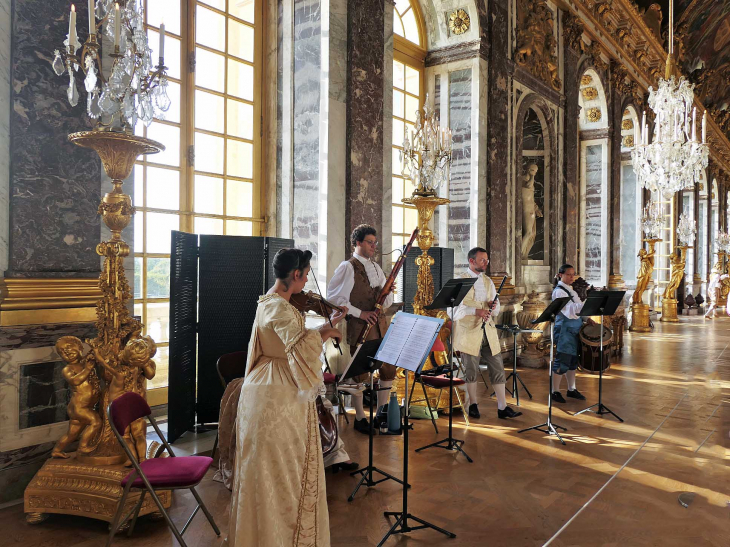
[(627, 124), (536, 42), (586, 80), (589, 93), (594, 114), (628, 141), (459, 21)]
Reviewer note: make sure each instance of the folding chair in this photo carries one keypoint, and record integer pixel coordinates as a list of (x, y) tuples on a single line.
[(173, 473), (331, 380), (229, 366)]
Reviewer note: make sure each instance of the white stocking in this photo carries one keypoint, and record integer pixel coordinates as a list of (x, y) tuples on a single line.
[(501, 399), (384, 392), (471, 389), (357, 404), (557, 378), (570, 375)]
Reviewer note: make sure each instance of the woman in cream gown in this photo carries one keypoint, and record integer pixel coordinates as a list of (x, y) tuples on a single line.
[(279, 496)]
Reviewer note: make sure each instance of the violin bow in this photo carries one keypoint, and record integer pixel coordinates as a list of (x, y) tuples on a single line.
[(323, 309)]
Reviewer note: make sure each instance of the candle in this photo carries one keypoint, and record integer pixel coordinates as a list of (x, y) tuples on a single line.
[(704, 127), (92, 19), (162, 42), (117, 26), (72, 30), (694, 124)]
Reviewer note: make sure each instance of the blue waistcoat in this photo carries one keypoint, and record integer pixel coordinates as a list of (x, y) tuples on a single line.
[(565, 334)]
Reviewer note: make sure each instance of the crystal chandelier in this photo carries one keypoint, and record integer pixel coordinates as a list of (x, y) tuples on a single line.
[(426, 154), (686, 231), (675, 158), (652, 220), (136, 89)]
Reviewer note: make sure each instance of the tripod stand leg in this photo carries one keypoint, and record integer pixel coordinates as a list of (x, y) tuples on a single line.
[(603, 409), (524, 386)]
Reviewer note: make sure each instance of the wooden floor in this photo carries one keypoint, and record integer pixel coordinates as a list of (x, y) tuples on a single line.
[(613, 484)]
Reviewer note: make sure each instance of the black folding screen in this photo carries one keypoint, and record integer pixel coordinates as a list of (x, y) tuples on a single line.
[(234, 272), (442, 270)]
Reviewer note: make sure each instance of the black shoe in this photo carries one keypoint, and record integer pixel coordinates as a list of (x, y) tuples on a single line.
[(474, 411), (557, 397), (575, 394), (363, 426), (507, 413), (344, 466)]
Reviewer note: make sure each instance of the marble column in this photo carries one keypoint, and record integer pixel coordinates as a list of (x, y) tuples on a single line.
[(54, 185), (365, 96), (571, 150), (498, 236), (697, 277), (5, 27), (613, 190)]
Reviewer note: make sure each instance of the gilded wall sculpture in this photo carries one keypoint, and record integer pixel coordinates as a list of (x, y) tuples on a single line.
[(536, 43)]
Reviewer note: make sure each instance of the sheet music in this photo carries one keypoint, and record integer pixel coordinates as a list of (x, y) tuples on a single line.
[(408, 341)]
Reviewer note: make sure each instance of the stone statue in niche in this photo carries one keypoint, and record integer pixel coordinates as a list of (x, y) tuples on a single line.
[(80, 373), (530, 211), (536, 43)]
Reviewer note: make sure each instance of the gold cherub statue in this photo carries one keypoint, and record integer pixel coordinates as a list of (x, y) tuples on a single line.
[(80, 373)]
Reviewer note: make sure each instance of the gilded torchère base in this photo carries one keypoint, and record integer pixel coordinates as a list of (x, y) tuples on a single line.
[(69, 487), (669, 310), (640, 321)]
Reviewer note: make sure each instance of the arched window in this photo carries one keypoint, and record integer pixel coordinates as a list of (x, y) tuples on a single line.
[(208, 180), (630, 201), (409, 53)]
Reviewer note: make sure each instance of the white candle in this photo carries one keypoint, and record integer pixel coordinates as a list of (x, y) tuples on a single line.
[(162, 42), (117, 25), (704, 127), (72, 28), (92, 19), (694, 124)]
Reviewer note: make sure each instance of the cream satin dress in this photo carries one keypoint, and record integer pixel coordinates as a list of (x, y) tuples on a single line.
[(279, 496)]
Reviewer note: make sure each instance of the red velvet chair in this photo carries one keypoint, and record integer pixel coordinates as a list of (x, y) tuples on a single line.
[(173, 473), (440, 382)]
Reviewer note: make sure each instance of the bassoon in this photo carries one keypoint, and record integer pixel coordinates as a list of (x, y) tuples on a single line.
[(387, 288)]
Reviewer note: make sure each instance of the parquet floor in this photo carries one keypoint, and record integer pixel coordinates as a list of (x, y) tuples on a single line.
[(613, 484)]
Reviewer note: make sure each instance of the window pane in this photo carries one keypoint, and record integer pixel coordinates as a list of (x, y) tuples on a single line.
[(166, 11), (158, 321), (411, 221), (209, 226), (240, 119), (240, 80), (398, 75), (240, 159), (138, 197), (159, 226), (239, 228), (172, 51), (243, 9), (170, 137), (402, 6), (397, 220), (398, 132), (398, 109), (138, 276), (208, 153), (397, 190), (240, 40), (162, 360), (210, 29), (158, 278), (138, 311), (397, 244), (139, 232), (209, 70), (396, 163), (220, 4), (398, 25), (411, 27), (239, 198), (163, 188), (209, 112), (208, 195), (411, 108), (413, 80)]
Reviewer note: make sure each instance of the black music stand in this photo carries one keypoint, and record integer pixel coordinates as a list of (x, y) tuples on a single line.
[(364, 363), (550, 313), (450, 296), (514, 330), (601, 303)]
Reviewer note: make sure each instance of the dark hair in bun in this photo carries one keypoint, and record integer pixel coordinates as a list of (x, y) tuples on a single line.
[(564, 268), (288, 260)]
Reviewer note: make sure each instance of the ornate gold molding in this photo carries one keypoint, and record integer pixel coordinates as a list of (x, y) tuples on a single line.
[(536, 43), (586, 80), (627, 124), (573, 32), (589, 93), (459, 21), (628, 141), (593, 114), (34, 301)]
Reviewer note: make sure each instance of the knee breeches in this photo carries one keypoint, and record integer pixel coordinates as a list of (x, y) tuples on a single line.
[(494, 364)]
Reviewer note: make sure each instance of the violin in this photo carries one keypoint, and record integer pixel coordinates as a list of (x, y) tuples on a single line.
[(311, 301)]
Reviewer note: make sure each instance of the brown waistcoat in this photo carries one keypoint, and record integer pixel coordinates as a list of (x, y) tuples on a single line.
[(363, 296)]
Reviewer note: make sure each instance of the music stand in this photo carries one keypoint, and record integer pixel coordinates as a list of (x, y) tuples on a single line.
[(514, 330), (363, 363), (601, 303), (450, 296), (550, 313), (401, 525)]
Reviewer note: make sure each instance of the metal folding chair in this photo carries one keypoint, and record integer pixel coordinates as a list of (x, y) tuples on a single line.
[(173, 473), (229, 367)]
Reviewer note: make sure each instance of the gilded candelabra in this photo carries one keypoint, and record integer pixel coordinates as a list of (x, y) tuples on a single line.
[(87, 483)]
